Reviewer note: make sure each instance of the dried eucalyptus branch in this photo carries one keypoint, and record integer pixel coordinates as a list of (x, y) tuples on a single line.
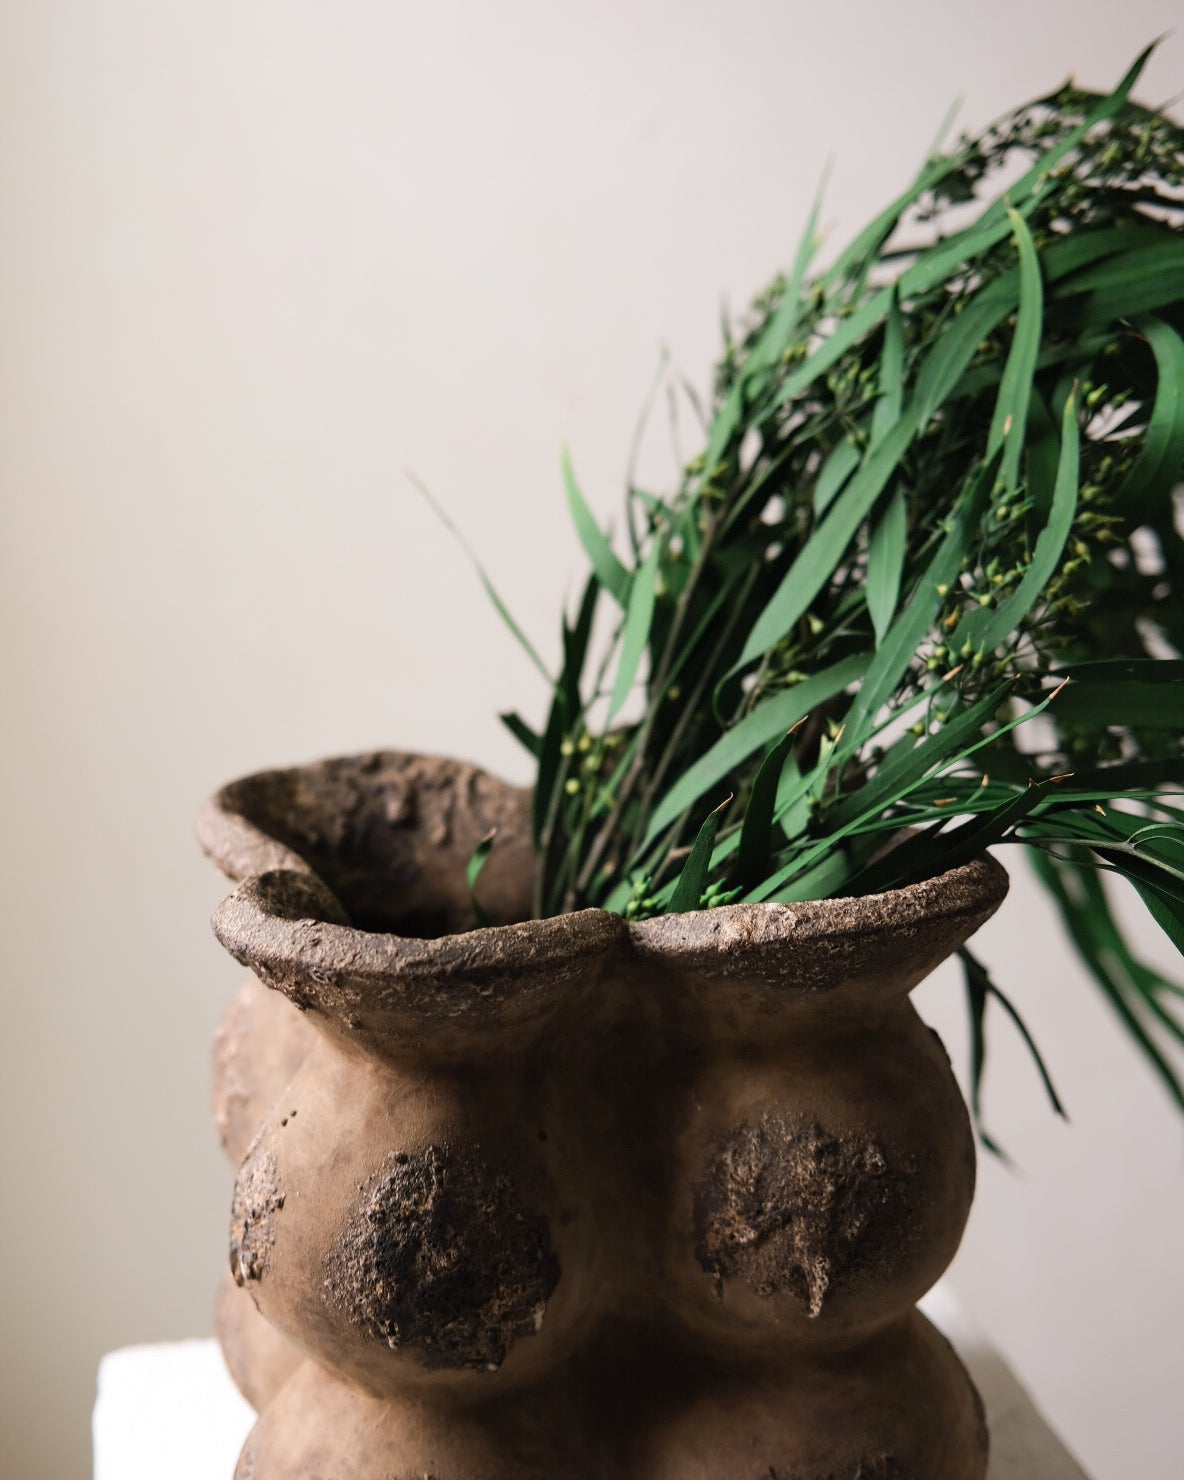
[(922, 591)]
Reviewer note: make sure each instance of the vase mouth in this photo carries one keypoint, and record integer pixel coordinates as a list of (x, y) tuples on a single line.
[(294, 917), (389, 833)]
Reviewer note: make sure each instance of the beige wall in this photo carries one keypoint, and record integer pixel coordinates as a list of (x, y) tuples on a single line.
[(260, 258)]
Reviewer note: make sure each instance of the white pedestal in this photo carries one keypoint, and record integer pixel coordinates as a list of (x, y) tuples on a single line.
[(168, 1412), (172, 1410)]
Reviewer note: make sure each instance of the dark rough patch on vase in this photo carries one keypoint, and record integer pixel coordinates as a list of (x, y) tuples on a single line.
[(440, 1257), (786, 1206), (257, 1199)]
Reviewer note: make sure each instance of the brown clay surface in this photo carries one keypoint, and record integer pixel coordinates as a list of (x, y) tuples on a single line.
[(573, 1197), (258, 1357)]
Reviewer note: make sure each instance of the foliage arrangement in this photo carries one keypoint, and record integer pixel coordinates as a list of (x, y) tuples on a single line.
[(921, 591)]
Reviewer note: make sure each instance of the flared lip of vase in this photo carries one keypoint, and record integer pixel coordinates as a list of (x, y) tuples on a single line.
[(286, 923)]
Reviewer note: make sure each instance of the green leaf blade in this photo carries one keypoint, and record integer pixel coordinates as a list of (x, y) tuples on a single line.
[(824, 548), (764, 724), (885, 563), (757, 831), (984, 629), (1015, 386), (1161, 461), (639, 616), (611, 573), (692, 881), (473, 869)]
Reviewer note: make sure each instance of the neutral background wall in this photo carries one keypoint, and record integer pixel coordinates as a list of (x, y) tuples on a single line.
[(260, 258)]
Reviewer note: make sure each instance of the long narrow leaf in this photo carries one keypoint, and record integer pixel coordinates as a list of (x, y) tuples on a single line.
[(779, 331), (826, 878), (499, 605), (1168, 913), (950, 255), (922, 856), (833, 474), (1148, 694), (1158, 469), (507, 617), (727, 421), (1160, 257), (891, 376), (985, 629), (476, 863), (885, 562), (939, 377), (850, 332), (522, 732), (758, 815), (896, 653), (876, 233), (769, 720), (992, 990), (1141, 293), (638, 620), (1059, 876), (575, 647), (549, 777), (612, 574), (823, 550), (1106, 107), (914, 761), (692, 881), (977, 990), (1015, 387), (949, 358)]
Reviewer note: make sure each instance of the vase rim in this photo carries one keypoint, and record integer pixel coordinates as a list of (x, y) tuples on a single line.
[(288, 925)]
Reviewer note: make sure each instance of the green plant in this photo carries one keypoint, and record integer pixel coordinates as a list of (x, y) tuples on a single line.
[(921, 592)]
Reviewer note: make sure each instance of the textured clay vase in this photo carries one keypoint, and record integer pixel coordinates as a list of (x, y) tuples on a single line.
[(575, 1197)]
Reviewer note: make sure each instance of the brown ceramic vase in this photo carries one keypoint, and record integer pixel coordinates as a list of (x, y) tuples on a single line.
[(573, 1198)]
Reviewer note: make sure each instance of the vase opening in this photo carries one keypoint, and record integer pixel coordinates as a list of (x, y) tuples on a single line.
[(390, 834)]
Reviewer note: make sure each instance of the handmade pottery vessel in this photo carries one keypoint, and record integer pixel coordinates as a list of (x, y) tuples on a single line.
[(576, 1198)]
